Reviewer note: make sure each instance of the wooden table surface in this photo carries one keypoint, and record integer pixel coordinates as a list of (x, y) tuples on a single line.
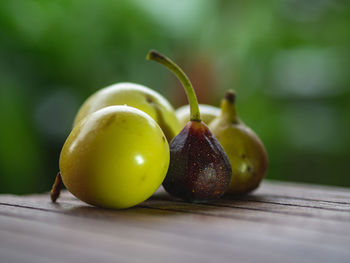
[(280, 222)]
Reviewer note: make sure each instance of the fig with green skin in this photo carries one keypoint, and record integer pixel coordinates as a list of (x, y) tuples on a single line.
[(199, 169), (245, 150), (208, 113), (116, 158), (137, 96)]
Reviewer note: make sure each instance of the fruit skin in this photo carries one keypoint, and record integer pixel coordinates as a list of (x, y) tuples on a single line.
[(208, 113), (243, 147), (116, 158), (199, 169), (137, 96)]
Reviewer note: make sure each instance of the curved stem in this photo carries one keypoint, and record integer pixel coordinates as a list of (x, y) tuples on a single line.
[(191, 95), (56, 188)]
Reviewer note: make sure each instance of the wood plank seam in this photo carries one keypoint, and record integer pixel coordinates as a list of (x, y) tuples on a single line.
[(222, 205)]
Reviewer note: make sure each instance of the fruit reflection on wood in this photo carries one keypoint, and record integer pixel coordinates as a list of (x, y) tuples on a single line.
[(117, 156)]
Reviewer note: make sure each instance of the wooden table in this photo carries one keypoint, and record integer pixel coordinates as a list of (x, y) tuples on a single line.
[(280, 222)]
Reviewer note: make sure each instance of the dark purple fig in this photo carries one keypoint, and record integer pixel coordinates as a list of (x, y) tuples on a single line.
[(199, 168)]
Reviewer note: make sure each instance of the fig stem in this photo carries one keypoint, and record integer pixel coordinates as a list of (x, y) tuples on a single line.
[(228, 107), (230, 96), (174, 68), (56, 188)]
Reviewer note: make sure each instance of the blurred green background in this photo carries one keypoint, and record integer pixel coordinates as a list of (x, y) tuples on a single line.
[(288, 60)]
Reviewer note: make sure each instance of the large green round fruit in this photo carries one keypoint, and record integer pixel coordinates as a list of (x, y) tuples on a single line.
[(116, 158), (137, 96)]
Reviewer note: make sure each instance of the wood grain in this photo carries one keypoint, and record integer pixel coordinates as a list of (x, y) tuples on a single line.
[(280, 222)]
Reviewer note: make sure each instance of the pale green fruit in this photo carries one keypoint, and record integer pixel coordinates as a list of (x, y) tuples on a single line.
[(208, 113), (243, 147), (116, 158), (137, 96)]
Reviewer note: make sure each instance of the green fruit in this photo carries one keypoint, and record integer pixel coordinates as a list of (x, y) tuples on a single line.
[(116, 158), (199, 169), (208, 113), (137, 96), (245, 150)]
